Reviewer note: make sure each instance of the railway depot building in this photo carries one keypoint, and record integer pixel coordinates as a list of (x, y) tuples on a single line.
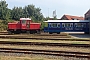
[(87, 17)]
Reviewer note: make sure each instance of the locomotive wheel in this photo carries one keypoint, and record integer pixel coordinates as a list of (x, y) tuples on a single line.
[(9, 32), (38, 32), (16, 32), (28, 32)]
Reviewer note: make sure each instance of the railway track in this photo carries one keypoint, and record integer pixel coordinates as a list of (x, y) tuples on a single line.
[(46, 52), (46, 44), (42, 34), (63, 38)]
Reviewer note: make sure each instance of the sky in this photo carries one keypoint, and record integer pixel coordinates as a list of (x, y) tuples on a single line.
[(68, 7)]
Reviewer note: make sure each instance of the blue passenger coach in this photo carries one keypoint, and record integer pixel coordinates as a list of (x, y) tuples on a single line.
[(57, 26)]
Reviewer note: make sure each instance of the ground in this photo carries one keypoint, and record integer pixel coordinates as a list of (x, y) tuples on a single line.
[(78, 35)]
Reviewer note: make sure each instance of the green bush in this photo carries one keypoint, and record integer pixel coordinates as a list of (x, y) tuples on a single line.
[(4, 24)]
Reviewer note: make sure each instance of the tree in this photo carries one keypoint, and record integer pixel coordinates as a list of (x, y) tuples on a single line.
[(29, 11), (17, 13), (33, 12), (4, 11)]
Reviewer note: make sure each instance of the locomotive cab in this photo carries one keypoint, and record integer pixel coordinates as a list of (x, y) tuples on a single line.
[(25, 24)]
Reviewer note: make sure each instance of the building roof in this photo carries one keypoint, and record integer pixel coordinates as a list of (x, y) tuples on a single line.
[(67, 21), (88, 12), (69, 17)]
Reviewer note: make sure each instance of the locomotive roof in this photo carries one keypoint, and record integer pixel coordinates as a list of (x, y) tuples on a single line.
[(25, 19), (67, 21)]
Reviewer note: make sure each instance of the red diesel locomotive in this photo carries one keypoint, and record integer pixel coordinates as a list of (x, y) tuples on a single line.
[(25, 25)]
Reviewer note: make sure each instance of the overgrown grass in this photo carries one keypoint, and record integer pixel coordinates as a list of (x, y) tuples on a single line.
[(20, 58)]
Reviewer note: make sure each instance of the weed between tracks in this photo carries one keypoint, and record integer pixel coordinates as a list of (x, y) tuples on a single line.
[(36, 57), (19, 58), (46, 41), (47, 48), (43, 47)]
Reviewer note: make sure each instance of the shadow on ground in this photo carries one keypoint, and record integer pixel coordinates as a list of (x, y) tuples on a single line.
[(80, 35)]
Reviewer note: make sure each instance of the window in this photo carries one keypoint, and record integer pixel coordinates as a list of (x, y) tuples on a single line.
[(84, 24), (67, 24), (80, 24), (63, 25), (23, 21), (55, 25), (58, 25), (28, 22)]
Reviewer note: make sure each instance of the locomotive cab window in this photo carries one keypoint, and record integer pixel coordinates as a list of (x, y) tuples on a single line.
[(23, 21), (28, 22)]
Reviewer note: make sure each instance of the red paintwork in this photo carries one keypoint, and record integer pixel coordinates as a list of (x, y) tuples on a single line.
[(20, 26), (34, 26), (13, 26)]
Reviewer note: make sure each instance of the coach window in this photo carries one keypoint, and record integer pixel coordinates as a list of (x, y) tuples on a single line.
[(54, 25), (63, 25), (58, 25), (23, 21), (84, 25), (78, 25), (69, 24)]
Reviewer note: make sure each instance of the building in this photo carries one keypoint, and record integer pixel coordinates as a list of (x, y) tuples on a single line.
[(69, 17), (87, 17)]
